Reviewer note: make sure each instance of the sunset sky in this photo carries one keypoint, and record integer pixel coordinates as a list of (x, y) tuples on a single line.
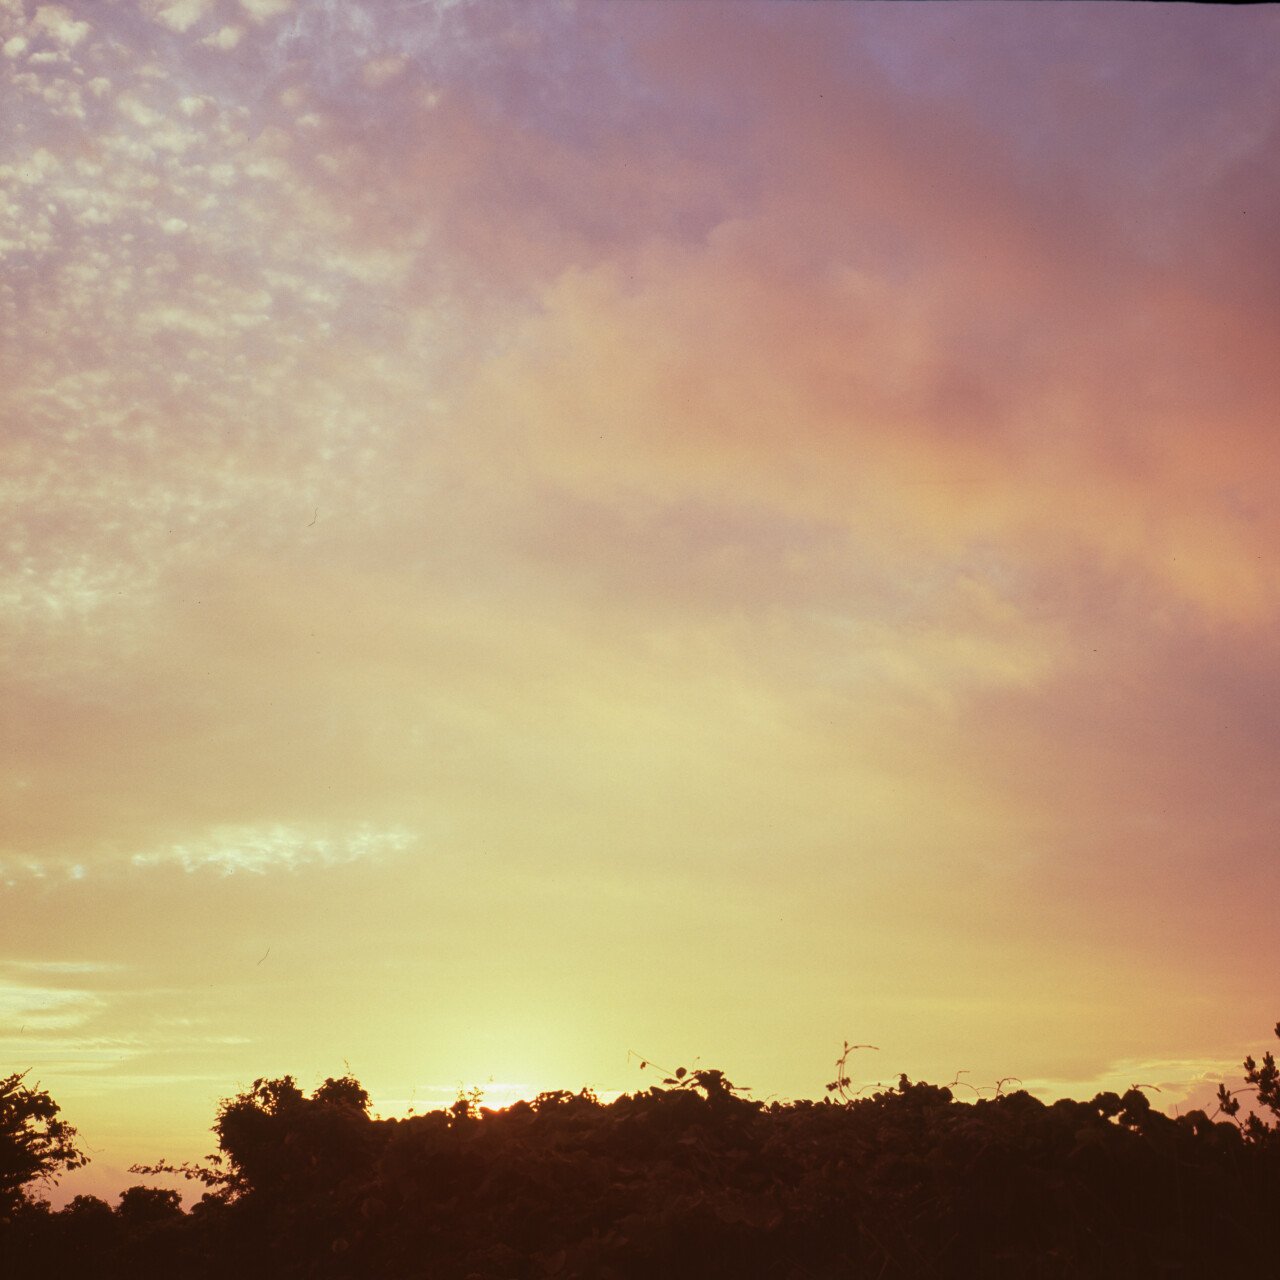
[(533, 531)]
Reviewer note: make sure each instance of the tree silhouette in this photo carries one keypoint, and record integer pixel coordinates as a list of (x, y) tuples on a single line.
[(1263, 1080), (34, 1143), (684, 1178), (273, 1137)]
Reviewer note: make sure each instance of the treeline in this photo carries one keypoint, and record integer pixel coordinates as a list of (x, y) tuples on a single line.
[(687, 1179)]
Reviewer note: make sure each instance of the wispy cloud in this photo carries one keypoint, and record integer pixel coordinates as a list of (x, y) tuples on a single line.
[(47, 1008), (59, 967), (260, 849), (180, 15)]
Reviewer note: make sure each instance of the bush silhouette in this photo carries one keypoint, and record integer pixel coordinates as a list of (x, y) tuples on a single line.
[(692, 1177)]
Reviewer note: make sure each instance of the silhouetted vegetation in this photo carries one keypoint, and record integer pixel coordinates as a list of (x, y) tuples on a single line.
[(690, 1178), (34, 1143)]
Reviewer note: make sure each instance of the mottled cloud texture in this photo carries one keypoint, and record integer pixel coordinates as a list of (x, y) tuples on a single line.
[(536, 530)]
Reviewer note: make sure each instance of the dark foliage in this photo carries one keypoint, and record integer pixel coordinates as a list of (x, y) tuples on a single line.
[(34, 1143), (694, 1179)]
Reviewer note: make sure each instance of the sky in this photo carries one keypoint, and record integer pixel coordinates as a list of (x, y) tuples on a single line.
[(537, 532)]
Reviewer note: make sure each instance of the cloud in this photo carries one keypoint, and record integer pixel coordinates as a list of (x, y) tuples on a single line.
[(225, 38), (261, 849), (46, 1009), (56, 22), (179, 15), (949, 370), (263, 10), (1175, 1085), (52, 967), (137, 112), (381, 71)]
